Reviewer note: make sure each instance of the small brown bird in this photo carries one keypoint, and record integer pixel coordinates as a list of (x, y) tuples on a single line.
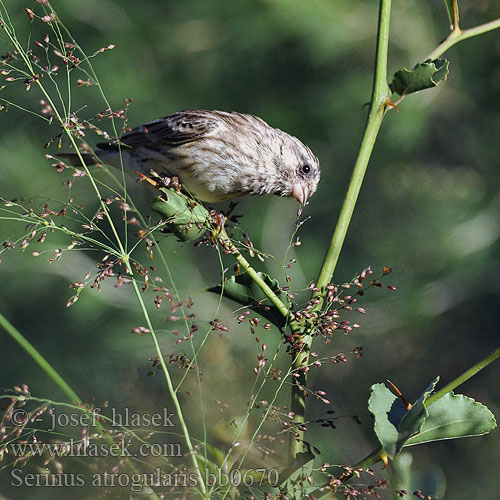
[(216, 155)]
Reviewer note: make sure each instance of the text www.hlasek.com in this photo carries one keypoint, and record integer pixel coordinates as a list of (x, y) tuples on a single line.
[(85, 448)]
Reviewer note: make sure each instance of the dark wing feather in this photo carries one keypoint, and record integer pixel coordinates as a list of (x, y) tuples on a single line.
[(178, 128)]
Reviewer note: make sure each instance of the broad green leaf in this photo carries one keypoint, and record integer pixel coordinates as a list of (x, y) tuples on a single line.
[(244, 290), (424, 75), (454, 416), (450, 417), (394, 424), (294, 481), (185, 218)]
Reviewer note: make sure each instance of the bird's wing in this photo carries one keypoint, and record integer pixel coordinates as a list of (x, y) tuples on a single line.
[(178, 128)]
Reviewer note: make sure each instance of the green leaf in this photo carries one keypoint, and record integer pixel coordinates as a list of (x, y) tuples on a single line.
[(424, 75), (245, 291), (394, 424), (380, 404), (454, 416), (184, 217)]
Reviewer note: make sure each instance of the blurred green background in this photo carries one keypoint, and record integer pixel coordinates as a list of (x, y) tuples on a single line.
[(429, 207)]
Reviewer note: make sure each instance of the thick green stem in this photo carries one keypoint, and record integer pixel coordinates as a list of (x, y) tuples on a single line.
[(455, 18), (456, 35), (380, 93), (298, 404)]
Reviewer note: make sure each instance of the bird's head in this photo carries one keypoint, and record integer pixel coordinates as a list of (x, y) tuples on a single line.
[(299, 169)]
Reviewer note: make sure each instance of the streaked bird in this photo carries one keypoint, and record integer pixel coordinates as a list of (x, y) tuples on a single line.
[(216, 155)]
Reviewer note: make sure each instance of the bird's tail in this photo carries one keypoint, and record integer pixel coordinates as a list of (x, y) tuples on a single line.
[(78, 159)]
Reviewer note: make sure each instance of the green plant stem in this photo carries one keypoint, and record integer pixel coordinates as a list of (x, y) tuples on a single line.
[(458, 35), (463, 377), (222, 235), (455, 17), (39, 359), (380, 93), (378, 107), (454, 37), (297, 404)]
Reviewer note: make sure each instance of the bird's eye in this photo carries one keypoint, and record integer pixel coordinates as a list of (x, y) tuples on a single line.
[(306, 168)]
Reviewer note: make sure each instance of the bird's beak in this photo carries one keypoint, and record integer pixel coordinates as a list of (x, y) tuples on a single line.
[(300, 192)]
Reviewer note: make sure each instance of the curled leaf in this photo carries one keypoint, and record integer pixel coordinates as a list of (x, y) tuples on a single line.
[(424, 75)]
